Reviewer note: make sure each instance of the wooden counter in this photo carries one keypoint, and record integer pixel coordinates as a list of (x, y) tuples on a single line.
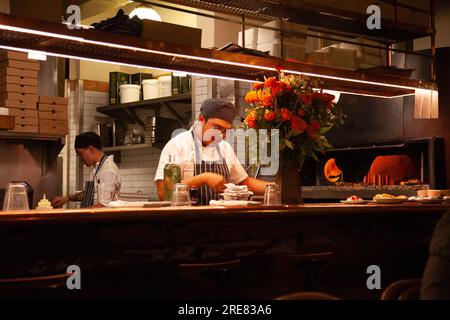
[(103, 215), (396, 237)]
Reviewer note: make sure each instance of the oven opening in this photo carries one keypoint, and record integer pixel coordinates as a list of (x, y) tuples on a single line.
[(384, 170)]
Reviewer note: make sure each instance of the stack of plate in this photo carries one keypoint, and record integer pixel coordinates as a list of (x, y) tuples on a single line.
[(234, 192)]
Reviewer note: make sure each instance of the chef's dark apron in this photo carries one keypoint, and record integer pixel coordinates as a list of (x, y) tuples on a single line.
[(205, 193), (88, 198)]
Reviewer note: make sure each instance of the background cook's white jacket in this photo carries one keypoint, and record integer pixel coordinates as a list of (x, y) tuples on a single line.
[(107, 182), (182, 152)]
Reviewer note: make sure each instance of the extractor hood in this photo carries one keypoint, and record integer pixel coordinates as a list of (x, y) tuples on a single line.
[(17, 33)]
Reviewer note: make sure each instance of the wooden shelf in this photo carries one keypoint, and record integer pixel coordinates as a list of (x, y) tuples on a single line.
[(126, 111), (57, 39), (11, 135), (128, 147)]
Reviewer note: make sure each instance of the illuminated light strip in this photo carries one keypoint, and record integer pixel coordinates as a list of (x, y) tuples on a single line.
[(374, 95), (367, 94), (119, 46), (122, 63), (350, 80), (40, 33), (192, 73), (106, 44)]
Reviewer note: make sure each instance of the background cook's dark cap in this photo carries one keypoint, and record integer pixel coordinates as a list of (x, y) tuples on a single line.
[(218, 108), (87, 139)]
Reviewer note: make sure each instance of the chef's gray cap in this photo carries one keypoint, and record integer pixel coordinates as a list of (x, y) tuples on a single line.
[(218, 108)]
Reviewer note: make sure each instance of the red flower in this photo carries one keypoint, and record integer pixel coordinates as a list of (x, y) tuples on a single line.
[(298, 124), (313, 128), (286, 115), (307, 99), (301, 113), (269, 115), (278, 68), (329, 97), (251, 119), (258, 85), (270, 82)]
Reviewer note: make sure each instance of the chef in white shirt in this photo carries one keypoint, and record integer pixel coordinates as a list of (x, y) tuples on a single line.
[(104, 181), (206, 159)]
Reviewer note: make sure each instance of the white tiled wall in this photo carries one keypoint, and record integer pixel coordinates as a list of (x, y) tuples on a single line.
[(138, 167)]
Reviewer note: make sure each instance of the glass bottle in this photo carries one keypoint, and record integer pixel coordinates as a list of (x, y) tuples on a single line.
[(172, 176)]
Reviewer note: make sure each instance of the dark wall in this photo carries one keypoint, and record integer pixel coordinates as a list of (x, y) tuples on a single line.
[(376, 119)]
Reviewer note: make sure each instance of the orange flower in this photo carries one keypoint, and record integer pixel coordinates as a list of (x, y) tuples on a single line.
[(298, 124), (269, 115), (266, 100), (251, 97)]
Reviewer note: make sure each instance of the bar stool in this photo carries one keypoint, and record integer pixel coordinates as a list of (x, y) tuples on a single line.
[(406, 289), (311, 264), (311, 295), (218, 271), (17, 285)]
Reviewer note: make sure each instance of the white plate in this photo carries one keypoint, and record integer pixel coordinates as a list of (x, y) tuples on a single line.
[(234, 203), (429, 200), (138, 204), (390, 200), (355, 202)]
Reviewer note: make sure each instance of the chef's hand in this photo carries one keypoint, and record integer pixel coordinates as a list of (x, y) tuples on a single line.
[(59, 201), (215, 181)]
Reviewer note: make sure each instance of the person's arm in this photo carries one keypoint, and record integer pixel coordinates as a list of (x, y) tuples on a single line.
[(62, 200), (160, 189), (258, 186), (213, 180)]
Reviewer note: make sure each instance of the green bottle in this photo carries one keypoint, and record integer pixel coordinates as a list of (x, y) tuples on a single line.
[(172, 176)]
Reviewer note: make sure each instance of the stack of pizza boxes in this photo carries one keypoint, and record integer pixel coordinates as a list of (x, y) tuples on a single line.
[(18, 89), (53, 115)]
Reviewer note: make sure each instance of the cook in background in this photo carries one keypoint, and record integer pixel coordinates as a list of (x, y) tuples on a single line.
[(104, 182), (206, 159)]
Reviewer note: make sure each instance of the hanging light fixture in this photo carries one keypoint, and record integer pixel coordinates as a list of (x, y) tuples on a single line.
[(145, 12)]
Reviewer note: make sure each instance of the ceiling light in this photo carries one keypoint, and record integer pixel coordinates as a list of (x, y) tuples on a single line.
[(144, 12)]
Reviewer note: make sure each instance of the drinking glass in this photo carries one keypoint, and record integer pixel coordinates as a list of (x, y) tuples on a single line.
[(272, 195), (16, 197), (187, 169), (180, 195)]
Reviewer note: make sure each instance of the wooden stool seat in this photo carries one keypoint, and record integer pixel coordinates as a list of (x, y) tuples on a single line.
[(212, 266), (307, 295), (311, 263), (41, 287), (52, 281), (217, 270)]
